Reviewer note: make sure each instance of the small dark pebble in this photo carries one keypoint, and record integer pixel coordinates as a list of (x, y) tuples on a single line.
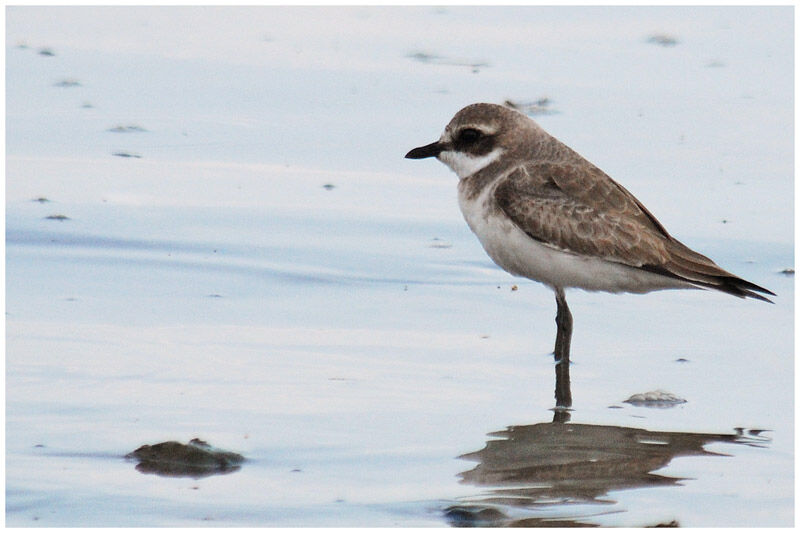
[(57, 217), (126, 154), (329, 186), (681, 360), (47, 52), (787, 272), (39, 446), (296, 470), (41, 200)]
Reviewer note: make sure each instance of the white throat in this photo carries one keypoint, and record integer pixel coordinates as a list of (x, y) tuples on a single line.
[(464, 164)]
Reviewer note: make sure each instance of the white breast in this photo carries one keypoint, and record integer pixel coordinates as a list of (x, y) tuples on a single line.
[(517, 253)]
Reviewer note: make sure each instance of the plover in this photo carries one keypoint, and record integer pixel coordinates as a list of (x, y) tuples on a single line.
[(543, 212)]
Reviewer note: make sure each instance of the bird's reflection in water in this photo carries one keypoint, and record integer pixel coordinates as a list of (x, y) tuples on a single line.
[(536, 474)]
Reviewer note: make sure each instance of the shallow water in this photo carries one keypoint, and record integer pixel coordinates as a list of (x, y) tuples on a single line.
[(271, 276)]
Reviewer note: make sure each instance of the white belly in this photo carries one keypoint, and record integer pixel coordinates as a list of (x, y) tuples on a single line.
[(517, 253)]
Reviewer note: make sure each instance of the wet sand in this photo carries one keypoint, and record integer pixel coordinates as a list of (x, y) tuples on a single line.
[(265, 272)]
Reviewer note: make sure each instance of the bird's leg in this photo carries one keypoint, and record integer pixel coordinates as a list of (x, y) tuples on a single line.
[(563, 337)]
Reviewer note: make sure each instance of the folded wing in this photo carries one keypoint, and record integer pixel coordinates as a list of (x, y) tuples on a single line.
[(583, 211)]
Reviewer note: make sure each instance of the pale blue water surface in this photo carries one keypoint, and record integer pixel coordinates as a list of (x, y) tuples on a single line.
[(269, 274)]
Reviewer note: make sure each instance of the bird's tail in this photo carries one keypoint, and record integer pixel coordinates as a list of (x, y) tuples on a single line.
[(694, 268)]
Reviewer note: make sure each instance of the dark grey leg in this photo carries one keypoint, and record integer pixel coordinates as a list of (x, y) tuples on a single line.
[(563, 338)]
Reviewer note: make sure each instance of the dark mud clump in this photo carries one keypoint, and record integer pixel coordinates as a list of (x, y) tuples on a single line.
[(196, 459)]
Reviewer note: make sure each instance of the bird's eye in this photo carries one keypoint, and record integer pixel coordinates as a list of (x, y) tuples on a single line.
[(469, 135)]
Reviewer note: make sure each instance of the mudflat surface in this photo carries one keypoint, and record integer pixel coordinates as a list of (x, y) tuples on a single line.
[(211, 233)]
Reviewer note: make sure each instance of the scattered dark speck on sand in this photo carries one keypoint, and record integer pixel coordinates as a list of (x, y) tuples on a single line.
[(47, 52), (436, 242), (662, 39), (127, 154), (130, 128), (681, 360), (67, 82), (41, 200), (215, 295), (57, 217), (196, 459), (671, 523), (87, 105), (329, 186), (433, 59), (535, 107), (787, 272)]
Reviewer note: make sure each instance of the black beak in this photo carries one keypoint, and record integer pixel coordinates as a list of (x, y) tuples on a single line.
[(429, 150)]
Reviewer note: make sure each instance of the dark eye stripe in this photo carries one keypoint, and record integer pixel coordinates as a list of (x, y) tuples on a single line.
[(469, 135)]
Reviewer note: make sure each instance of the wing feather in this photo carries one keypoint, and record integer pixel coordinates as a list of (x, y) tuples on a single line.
[(581, 210)]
